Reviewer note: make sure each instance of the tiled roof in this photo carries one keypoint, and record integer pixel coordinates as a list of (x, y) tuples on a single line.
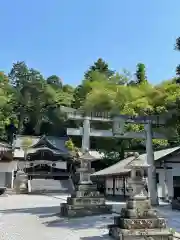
[(116, 168), (17, 143), (120, 167), (58, 143)]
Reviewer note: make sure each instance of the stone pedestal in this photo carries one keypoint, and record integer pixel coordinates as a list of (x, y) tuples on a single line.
[(21, 183), (138, 220), (86, 200)]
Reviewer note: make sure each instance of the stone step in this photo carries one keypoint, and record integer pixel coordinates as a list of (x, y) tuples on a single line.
[(81, 211), (10, 191), (85, 201)]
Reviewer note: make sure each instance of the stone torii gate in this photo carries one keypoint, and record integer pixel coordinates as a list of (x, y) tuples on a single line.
[(118, 122)]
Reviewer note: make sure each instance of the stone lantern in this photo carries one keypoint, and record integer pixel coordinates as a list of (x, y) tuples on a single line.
[(85, 169), (138, 220), (137, 181), (86, 200)]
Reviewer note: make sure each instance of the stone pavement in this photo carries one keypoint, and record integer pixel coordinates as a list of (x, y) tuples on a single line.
[(30, 217)]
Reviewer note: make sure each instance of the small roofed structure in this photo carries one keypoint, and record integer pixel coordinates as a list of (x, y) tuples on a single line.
[(7, 165), (120, 167), (167, 174)]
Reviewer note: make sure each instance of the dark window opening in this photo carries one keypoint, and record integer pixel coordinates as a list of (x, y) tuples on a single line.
[(157, 177)]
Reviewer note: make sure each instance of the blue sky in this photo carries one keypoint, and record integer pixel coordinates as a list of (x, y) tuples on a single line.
[(64, 37)]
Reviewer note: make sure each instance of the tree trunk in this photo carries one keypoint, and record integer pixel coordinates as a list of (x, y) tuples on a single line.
[(21, 121), (38, 127)]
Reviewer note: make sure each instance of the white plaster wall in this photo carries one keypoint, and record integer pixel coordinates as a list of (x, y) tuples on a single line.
[(18, 153), (170, 182), (109, 186), (164, 188), (127, 193), (160, 185), (61, 165), (165, 185), (8, 166), (175, 171), (118, 186)]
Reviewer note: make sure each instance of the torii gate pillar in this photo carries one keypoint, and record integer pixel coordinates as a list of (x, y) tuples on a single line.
[(152, 186)]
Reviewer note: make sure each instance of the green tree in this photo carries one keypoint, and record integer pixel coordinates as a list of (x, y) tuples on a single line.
[(37, 100), (55, 81), (99, 71), (7, 103), (32, 103), (100, 66), (141, 73), (68, 89), (80, 94), (20, 78), (177, 47)]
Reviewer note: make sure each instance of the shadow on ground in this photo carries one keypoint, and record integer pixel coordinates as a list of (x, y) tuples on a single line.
[(50, 217), (102, 237), (98, 222), (172, 216), (41, 212)]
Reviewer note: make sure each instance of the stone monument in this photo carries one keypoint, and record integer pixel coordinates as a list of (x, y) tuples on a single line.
[(138, 220), (86, 200), (21, 182)]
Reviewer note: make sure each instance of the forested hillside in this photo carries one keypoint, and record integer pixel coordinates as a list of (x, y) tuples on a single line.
[(31, 103)]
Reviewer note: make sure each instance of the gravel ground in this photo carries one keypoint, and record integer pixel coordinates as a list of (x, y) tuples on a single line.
[(31, 217)]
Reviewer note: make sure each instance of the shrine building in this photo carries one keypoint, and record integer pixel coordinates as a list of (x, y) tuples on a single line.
[(45, 157), (167, 163), (41, 158)]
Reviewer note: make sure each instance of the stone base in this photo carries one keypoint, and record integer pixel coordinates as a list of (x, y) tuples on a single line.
[(139, 234), (139, 228), (10, 191), (85, 201), (83, 210)]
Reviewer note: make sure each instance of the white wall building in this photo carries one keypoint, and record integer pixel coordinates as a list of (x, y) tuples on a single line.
[(7, 165), (46, 157), (167, 164)]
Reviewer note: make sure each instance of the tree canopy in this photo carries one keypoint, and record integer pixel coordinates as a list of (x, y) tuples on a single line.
[(30, 103)]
